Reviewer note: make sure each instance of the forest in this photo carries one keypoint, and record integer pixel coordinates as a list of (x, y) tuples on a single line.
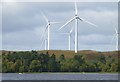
[(37, 62)]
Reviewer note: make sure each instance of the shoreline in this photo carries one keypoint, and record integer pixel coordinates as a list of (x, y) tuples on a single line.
[(66, 73)]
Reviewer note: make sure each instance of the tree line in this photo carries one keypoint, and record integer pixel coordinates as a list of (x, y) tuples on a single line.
[(38, 62)]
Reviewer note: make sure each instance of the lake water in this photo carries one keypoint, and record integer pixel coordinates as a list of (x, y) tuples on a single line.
[(59, 76)]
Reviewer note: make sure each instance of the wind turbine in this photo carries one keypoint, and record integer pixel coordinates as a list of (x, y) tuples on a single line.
[(69, 38), (48, 25), (116, 35), (76, 18)]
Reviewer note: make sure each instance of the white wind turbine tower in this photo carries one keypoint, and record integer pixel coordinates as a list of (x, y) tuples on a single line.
[(48, 25), (76, 18), (69, 38), (116, 35)]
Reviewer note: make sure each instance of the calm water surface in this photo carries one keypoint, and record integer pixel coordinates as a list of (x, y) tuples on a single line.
[(59, 76)]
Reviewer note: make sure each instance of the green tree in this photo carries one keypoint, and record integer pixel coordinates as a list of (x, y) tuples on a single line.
[(62, 57), (102, 59), (35, 66), (10, 67), (53, 57), (90, 67), (26, 63), (70, 65), (4, 67), (53, 65), (114, 67), (21, 69), (17, 65), (79, 58)]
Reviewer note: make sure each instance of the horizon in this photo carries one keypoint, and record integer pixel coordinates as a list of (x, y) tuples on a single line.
[(60, 50)]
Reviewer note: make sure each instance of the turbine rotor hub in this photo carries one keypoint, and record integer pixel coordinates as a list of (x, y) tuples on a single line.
[(48, 22), (77, 17)]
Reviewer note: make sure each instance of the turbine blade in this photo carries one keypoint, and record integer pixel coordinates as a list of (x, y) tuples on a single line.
[(76, 11), (71, 30), (43, 33), (44, 17), (67, 23), (112, 38), (116, 31), (81, 19), (42, 44)]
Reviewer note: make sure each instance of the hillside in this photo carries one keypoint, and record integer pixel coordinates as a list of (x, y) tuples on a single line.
[(88, 54), (59, 61)]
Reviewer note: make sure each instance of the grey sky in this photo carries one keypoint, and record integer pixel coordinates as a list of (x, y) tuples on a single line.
[(23, 25)]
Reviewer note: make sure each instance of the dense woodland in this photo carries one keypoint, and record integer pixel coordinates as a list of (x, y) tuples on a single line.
[(32, 61)]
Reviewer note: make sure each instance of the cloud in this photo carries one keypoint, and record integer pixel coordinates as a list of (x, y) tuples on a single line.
[(23, 26), (28, 39), (95, 39)]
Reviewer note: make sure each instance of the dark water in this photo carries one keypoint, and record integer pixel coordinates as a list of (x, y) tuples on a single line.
[(59, 76)]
